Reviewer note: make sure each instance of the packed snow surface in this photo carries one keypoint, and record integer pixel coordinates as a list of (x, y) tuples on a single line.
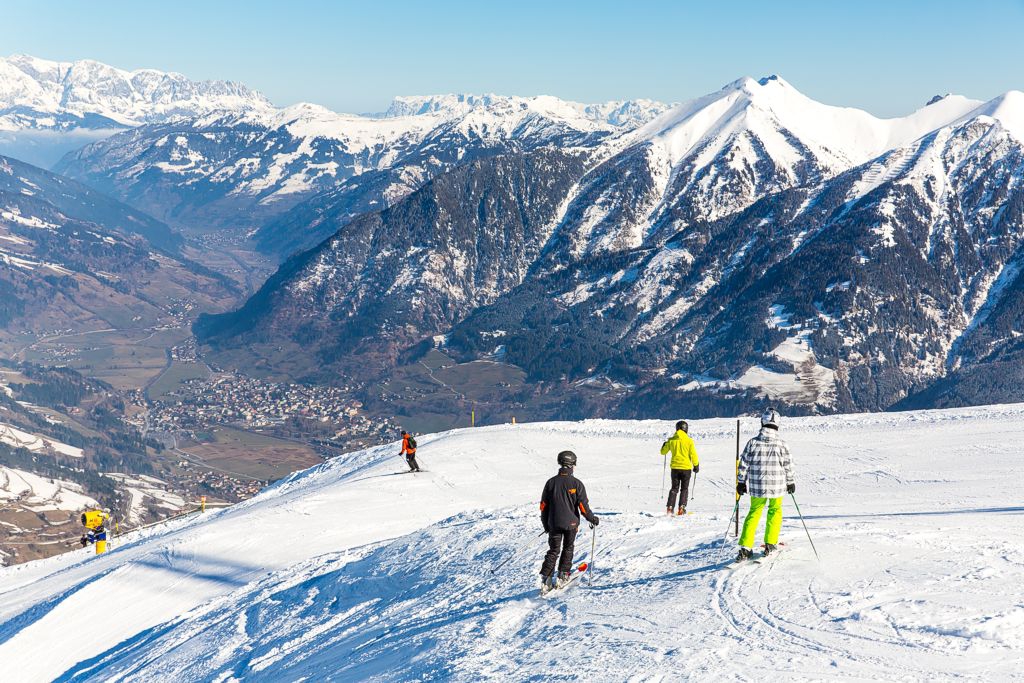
[(353, 571)]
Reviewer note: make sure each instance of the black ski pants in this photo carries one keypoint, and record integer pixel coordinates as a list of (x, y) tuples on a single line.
[(561, 545), (411, 459), (680, 479)]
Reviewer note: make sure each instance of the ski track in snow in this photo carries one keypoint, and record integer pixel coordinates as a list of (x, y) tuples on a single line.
[(344, 572)]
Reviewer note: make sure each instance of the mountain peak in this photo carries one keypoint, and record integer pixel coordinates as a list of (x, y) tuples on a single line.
[(753, 86), (1007, 109)]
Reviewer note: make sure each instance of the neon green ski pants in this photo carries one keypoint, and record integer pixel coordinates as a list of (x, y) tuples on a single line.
[(772, 525)]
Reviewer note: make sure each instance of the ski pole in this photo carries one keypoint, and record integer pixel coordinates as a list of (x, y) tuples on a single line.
[(516, 552), (694, 487), (664, 469), (593, 549), (793, 496), (735, 513)]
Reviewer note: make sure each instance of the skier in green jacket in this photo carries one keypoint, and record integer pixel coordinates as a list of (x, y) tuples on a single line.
[(684, 462)]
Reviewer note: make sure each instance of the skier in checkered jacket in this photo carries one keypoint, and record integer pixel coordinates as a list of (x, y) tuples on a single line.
[(766, 473)]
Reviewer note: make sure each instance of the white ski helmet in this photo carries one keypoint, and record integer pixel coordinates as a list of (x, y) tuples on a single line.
[(770, 418)]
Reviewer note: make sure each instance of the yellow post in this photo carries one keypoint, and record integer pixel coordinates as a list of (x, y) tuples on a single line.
[(513, 419), (472, 418), (101, 547), (202, 503)]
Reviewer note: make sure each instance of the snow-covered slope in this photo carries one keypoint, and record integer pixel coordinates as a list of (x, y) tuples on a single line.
[(352, 571)]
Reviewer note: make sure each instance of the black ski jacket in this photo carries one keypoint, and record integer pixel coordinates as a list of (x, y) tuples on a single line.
[(563, 501)]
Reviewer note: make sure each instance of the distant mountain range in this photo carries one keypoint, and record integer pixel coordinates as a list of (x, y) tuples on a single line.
[(49, 107), (750, 245), (249, 170), (747, 246)]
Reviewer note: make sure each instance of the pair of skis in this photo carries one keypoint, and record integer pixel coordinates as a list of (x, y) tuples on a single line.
[(578, 571), (758, 559)]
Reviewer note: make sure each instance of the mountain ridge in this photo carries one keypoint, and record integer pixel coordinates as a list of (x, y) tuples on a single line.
[(674, 261)]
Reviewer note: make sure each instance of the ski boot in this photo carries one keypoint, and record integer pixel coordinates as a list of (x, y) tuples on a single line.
[(563, 578), (744, 555), (668, 511), (546, 584), (682, 510), (769, 548)]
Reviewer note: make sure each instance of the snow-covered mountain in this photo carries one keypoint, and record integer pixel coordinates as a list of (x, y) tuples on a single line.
[(850, 293), (718, 154), (753, 243), (48, 107), (242, 170), (698, 161), (38, 93), (619, 113), (351, 571), (74, 259)]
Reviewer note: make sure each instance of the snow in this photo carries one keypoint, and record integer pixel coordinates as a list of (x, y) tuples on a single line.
[(345, 572), (142, 487), (617, 113), (41, 88), (808, 384), (15, 217), (41, 494), (839, 137), (1007, 109), (12, 436)]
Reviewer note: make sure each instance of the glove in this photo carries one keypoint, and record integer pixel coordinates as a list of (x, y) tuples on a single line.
[(790, 488), (547, 529), (696, 469), (741, 487), (594, 522), (84, 541)]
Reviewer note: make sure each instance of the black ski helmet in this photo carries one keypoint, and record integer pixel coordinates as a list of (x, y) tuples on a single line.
[(567, 459), (683, 425)]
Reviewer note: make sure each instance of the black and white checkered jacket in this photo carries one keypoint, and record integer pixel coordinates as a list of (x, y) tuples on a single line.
[(765, 465)]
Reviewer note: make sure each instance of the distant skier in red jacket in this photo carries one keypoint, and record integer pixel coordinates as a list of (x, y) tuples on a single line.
[(409, 451)]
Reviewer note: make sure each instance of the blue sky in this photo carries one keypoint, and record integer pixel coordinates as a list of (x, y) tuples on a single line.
[(887, 57)]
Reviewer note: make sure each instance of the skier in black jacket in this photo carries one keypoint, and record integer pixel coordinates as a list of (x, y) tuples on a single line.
[(561, 504)]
